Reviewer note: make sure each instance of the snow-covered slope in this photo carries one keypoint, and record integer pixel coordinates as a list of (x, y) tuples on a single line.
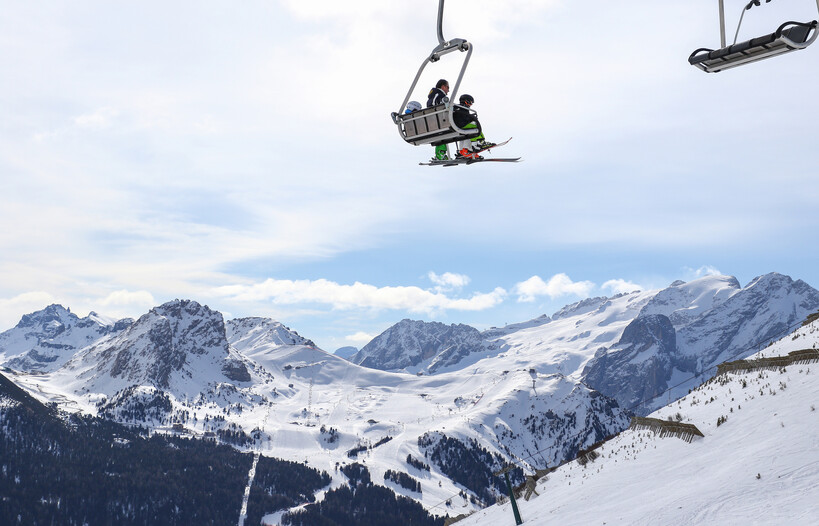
[(44, 340), (757, 463), (247, 333)]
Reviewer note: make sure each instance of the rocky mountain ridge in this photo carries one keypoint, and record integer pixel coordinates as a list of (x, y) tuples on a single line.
[(44, 341), (629, 346), (417, 346)]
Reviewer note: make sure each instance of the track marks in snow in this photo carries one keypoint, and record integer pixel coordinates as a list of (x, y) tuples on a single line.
[(250, 476)]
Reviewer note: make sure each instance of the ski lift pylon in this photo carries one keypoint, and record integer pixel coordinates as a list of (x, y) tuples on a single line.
[(435, 125), (790, 36)]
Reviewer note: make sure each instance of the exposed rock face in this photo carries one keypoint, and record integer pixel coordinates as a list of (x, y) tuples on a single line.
[(420, 346), (160, 343), (639, 366), (180, 347), (689, 328), (767, 309)]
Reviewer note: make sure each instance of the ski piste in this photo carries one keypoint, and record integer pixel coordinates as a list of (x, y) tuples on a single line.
[(465, 160)]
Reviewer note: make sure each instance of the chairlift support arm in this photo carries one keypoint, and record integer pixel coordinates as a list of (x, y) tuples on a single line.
[(748, 7), (444, 47)]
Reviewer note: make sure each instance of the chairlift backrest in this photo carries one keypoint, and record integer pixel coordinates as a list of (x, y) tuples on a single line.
[(434, 125), (790, 36)]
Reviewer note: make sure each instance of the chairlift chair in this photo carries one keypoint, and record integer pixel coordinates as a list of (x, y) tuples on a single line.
[(790, 36), (435, 125)]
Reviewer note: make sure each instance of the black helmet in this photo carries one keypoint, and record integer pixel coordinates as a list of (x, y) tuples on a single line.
[(464, 99)]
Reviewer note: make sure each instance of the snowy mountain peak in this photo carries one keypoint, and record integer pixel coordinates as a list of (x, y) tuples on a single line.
[(255, 332), (780, 285), (581, 307), (682, 302), (346, 352), (48, 319), (44, 340), (710, 320), (418, 346), (178, 343)]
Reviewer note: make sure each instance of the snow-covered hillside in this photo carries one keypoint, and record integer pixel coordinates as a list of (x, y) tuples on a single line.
[(756, 464)]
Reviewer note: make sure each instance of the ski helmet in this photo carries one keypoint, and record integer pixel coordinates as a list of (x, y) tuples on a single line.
[(413, 105), (464, 99)]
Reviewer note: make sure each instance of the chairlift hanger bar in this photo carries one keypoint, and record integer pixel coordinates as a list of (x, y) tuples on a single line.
[(748, 7), (444, 47), (436, 125)]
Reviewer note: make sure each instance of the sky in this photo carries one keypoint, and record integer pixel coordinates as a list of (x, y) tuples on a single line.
[(243, 156)]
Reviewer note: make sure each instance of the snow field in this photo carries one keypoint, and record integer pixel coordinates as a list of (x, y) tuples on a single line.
[(760, 466)]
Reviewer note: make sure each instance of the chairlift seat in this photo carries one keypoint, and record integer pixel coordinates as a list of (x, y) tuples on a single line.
[(790, 36), (433, 126)]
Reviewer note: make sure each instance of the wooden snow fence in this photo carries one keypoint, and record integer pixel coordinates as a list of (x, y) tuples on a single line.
[(743, 366), (584, 456), (666, 428), (810, 319)]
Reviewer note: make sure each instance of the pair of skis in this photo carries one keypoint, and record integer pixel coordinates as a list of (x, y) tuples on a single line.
[(468, 160)]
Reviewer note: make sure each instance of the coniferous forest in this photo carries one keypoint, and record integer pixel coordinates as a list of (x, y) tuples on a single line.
[(362, 504), (71, 470), (84, 470)]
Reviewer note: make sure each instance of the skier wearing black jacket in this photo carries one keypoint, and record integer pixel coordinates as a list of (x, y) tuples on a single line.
[(437, 95), (468, 121)]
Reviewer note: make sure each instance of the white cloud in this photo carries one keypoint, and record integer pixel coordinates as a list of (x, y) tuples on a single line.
[(707, 270), (449, 280), (358, 295), (125, 298), (101, 118), (558, 285), (620, 286)]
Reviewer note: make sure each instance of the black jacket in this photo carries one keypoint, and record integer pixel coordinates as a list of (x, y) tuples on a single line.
[(436, 96), (462, 117)]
